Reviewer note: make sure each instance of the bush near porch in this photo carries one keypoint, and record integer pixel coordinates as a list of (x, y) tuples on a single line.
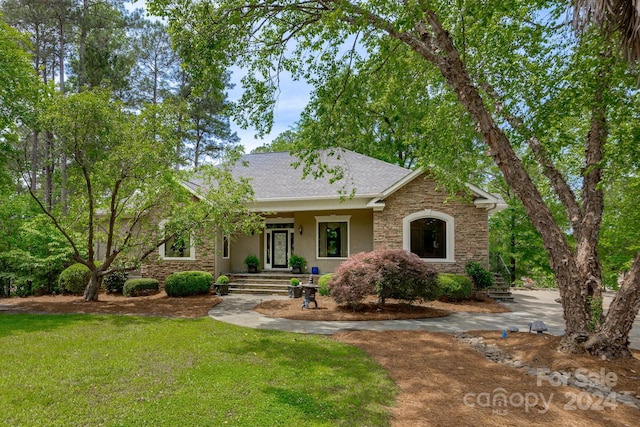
[(389, 273), (185, 283)]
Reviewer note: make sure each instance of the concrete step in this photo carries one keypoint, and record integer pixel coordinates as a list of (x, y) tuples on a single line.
[(249, 290), (259, 288)]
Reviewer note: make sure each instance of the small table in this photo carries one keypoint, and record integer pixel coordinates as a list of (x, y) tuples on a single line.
[(309, 295)]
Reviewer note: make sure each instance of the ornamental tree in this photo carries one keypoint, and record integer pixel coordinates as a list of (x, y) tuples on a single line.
[(123, 184)]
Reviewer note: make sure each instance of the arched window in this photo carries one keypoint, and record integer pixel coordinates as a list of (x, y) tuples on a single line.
[(430, 235)]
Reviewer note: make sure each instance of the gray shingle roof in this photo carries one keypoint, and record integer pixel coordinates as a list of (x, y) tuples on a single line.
[(274, 178)]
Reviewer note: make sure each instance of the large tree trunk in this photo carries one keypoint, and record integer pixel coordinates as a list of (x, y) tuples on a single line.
[(612, 338), (93, 288), (437, 47)]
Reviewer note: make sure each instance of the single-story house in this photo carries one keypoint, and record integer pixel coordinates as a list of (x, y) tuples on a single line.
[(391, 207)]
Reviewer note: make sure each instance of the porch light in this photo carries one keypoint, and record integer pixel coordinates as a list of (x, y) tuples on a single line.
[(300, 229)]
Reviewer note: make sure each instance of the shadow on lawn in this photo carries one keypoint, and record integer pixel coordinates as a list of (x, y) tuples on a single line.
[(11, 324)]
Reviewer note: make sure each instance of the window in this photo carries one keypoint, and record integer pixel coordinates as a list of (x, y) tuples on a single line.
[(179, 247), (430, 235), (333, 236), (428, 238), (225, 247)]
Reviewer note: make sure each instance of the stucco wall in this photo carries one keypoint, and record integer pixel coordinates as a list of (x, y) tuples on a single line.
[(471, 225), (360, 236)]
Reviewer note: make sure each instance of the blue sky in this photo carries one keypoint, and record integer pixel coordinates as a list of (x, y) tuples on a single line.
[(292, 98)]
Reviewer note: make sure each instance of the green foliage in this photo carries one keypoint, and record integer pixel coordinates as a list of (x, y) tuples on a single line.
[(297, 261), (620, 233), (482, 278), (185, 283), (114, 282), (167, 372), (74, 279), (222, 280), (595, 311), (140, 287), (19, 84), (34, 252), (294, 281), (323, 284), (252, 261), (454, 287)]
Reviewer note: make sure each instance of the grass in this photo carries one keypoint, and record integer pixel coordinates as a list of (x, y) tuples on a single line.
[(78, 370)]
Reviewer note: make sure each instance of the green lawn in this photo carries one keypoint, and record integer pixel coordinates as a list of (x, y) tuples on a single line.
[(81, 370)]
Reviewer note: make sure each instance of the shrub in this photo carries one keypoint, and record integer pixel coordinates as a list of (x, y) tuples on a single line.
[(297, 261), (481, 277), (294, 281), (185, 283), (140, 287), (74, 279), (114, 282), (222, 280), (454, 287), (323, 283), (252, 261), (388, 273)]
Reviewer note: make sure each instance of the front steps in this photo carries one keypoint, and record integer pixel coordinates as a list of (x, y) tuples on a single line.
[(500, 290), (264, 283)]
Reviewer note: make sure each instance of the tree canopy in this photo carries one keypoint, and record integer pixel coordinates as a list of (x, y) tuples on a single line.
[(460, 83)]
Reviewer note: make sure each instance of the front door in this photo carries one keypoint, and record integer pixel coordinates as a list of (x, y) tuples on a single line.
[(279, 243), (278, 248)]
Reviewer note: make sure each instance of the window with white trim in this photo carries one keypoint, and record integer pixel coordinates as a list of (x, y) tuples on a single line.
[(430, 235), (225, 247), (178, 247), (333, 236)]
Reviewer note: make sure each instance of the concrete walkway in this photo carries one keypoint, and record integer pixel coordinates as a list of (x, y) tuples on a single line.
[(527, 307)]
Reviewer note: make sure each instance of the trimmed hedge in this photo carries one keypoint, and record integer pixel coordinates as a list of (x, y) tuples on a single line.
[(323, 282), (185, 283), (140, 287), (74, 279), (454, 287)]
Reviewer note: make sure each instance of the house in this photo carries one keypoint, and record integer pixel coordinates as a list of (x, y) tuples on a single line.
[(386, 206)]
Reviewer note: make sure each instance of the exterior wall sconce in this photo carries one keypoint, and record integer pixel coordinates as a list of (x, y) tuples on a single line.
[(300, 230)]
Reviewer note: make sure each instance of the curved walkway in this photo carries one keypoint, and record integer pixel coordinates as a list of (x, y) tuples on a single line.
[(528, 306)]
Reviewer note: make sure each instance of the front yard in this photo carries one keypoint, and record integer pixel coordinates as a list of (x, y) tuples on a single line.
[(103, 369), (81, 370)]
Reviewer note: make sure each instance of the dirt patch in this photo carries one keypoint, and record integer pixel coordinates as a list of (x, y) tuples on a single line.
[(152, 305), (391, 310), (443, 382)]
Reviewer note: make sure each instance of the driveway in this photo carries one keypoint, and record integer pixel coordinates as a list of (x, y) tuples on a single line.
[(529, 305)]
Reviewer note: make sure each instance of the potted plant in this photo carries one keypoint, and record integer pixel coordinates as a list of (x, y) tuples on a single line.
[(297, 263), (222, 285), (295, 290), (252, 262)]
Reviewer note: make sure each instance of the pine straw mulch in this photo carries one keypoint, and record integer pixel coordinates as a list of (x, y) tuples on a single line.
[(152, 305), (371, 310), (441, 381)]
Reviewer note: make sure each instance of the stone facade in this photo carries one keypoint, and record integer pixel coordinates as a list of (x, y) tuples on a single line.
[(471, 223), (205, 260)]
